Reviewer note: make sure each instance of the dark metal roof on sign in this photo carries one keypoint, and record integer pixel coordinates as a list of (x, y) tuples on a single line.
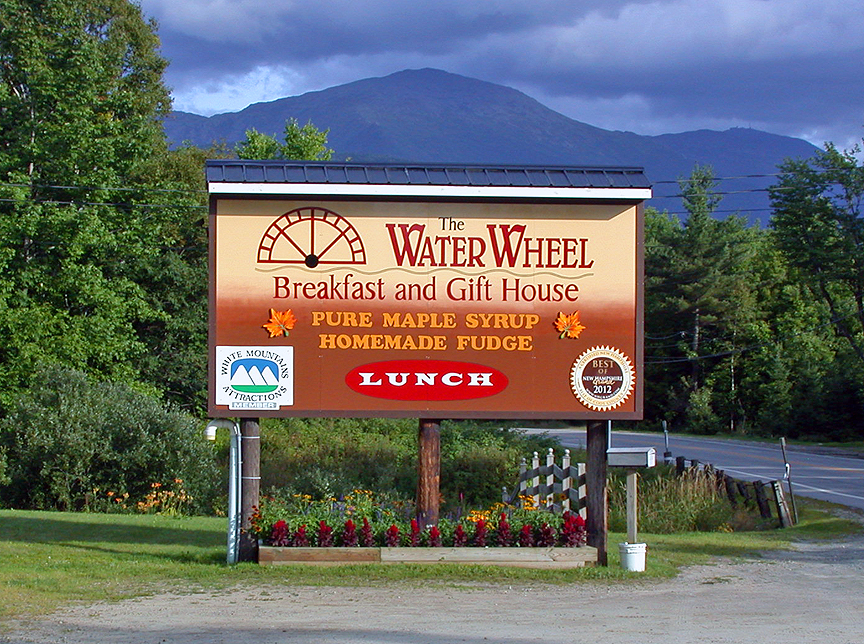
[(318, 172)]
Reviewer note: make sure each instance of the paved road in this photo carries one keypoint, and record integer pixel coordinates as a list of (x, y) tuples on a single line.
[(830, 477)]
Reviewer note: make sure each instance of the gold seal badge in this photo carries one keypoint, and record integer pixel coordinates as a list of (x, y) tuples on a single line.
[(602, 378)]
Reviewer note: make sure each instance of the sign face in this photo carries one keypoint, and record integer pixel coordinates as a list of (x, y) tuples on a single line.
[(425, 308)]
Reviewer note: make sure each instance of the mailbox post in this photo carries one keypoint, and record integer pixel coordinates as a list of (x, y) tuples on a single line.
[(632, 458)]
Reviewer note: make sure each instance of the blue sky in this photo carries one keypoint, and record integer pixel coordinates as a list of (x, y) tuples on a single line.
[(793, 67)]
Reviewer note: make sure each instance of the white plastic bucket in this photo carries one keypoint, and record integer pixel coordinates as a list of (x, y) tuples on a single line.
[(632, 556)]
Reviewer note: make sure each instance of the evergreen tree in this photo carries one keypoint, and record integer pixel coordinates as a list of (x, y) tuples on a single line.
[(698, 303)]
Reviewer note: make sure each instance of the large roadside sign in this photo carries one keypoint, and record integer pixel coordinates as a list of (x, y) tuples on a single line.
[(428, 305)]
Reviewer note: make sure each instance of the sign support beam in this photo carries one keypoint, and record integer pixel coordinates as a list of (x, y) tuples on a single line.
[(597, 522), (428, 472), (250, 433)]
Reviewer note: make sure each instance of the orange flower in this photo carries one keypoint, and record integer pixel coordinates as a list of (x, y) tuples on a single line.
[(569, 325), (280, 322)]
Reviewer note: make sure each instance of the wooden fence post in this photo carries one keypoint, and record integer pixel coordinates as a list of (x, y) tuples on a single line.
[(523, 482), (744, 489), (729, 484), (550, 478), (761, 499), (782, 507), (535, 480), (679, 465), (566, 481), (583, 490), (720, 479)]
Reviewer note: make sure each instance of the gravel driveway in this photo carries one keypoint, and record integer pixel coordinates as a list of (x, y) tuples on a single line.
[(812, 594)]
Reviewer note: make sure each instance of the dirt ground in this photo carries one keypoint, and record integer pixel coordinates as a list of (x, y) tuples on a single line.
[(813, 594)]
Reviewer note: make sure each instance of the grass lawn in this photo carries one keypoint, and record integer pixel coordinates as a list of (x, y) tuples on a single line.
[(52, 559)]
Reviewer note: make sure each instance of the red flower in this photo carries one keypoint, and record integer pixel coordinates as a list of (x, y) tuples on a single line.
[(414, 537), (547, 536), (349, 534), (434, 537), (503, 534), (460, 539), (279, 534), (300, 539), (391, 536), (367, 539), (325, 535), (526, 536), (573, 532), (480, 532)]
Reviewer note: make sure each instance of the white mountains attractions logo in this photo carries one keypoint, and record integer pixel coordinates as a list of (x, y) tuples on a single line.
[(255, 377)]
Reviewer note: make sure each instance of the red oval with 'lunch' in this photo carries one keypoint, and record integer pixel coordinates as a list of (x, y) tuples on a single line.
[(426, 380)]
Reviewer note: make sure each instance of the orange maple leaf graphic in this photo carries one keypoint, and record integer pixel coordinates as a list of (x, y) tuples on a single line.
[(280, 322), (569, 325)]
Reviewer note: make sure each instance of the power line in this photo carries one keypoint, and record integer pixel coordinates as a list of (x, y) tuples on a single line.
[(723, 354), (102, 188), (58, 202), (655, 183)]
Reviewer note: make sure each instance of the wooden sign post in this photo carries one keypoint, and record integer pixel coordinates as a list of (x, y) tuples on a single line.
[(250, 486), (428, 472), (597, 522)]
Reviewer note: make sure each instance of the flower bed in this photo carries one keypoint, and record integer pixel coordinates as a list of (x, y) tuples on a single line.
[(361, 528)]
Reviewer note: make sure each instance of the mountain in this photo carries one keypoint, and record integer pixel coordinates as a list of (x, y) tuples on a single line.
[(432, 116)]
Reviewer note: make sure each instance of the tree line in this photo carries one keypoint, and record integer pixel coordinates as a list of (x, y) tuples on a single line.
[(758, 331), (103, 247)]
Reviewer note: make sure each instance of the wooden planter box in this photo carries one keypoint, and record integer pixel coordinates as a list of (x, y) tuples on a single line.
[(518, 557)]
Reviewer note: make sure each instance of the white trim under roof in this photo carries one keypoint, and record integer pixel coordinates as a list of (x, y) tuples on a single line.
[(418, 190)]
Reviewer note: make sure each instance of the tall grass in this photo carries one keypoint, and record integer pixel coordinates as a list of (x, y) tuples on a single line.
[(669, 504)]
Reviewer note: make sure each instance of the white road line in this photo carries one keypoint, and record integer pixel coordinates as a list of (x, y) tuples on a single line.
[(673, 438), (754, 467), (795, 484), (799, 476)]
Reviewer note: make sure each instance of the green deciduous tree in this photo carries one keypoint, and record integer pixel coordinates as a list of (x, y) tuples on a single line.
[(300, 143), (819, 228), (88, 235)]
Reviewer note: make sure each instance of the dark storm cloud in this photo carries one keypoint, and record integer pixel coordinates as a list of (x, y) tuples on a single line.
[(788, 66)]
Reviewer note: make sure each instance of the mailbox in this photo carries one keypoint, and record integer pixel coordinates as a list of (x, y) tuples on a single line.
[(632, 456)]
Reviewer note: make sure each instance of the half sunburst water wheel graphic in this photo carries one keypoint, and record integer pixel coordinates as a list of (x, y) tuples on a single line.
[(311, 236)]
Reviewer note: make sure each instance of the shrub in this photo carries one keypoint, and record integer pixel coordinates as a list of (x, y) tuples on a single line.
[(324, 457), (69, 441)]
